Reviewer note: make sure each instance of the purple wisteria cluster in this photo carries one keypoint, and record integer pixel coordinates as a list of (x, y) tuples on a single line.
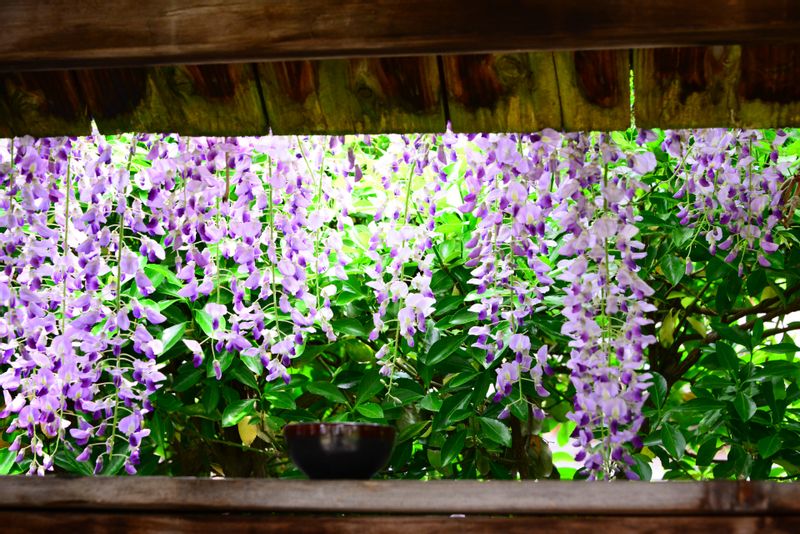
[(509, 181), (101, 241), (401, 234), (86, 228), (729, 197), (605, 304)]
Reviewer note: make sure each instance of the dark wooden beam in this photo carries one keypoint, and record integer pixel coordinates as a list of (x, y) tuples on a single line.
[(144, 522), (400, 497), (68, 34)]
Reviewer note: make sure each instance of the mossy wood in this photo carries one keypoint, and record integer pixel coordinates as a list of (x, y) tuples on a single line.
[(341, 96), (190, 99), (42, 104), (752, 86)]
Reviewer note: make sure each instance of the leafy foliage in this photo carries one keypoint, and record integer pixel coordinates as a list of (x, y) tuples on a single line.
[(723, 393)]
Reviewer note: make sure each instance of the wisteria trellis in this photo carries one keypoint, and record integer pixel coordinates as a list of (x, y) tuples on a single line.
[(87, 224)]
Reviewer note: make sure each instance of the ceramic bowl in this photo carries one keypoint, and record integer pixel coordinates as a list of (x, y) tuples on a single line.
[(339, 450)]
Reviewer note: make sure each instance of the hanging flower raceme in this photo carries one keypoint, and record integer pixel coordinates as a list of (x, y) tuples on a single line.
[(510, 180), (730, 196), (605, 302)]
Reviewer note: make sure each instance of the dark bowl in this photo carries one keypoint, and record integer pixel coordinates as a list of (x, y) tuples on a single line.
[(339, 450)]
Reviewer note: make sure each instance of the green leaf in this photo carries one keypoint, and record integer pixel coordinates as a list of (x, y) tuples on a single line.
[(658, 390), (172, 335), (769, 445), (370, 410), (211, 397), (237, 411), (243, 375), (443, 348), (253, 363), (727, 357), (673, 268), (706, 452), (7, 458), (281, 401), (369, 386), (66, 460), (673, 441), (454, 408), (203, 320), (152, 270), (453, 446), (781, 348), (745, 406), (495, 431), (185, 381), (352, 327), (328, 391)]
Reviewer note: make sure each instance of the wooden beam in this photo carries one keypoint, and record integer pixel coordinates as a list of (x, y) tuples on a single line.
[(42, 104), (400, 497), (144, 522), (345, 96), (594, 89), (189, 99), (502, 92), (69, 34), (753, 86), (692, 87)]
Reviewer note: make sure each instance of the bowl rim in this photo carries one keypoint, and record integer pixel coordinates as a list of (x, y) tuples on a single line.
[(337, 423)]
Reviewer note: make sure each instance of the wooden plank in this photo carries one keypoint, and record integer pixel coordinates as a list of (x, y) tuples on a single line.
[(691, 87), (502, 92), (735, 86), (769, 87), (402, 497), (43, 104), (376, 95), (5, 116), (594, 89), (68, 34), (27, 522), (190, 99)]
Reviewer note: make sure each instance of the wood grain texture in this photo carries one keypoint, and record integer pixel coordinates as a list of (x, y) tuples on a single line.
[(189, 99), (402, 497), (367, 95), (594, 89), (733, 86), (42, 104), (101, 523), (502, 92), (769, 87), (64, 33), (691, 87)]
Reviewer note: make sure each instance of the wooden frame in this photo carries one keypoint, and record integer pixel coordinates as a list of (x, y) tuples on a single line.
[(67, 34), (240, 505)]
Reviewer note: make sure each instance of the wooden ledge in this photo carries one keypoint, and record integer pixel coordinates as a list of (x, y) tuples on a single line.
[(190, 495)]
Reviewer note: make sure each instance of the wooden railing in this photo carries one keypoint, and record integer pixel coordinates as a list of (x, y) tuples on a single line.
[(248, 505)]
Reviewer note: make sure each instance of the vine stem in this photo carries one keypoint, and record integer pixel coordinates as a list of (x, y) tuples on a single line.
[(121, 236), (66, 249)]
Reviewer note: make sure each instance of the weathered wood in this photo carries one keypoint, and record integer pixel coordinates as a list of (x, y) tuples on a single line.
[(400, 497), (190, 99), (89, 523), (769, 87), (42, 104), (377, 95), (745, 86), (5, 116), (64, 33), (691, 87), (594, 89), (502, 92)]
